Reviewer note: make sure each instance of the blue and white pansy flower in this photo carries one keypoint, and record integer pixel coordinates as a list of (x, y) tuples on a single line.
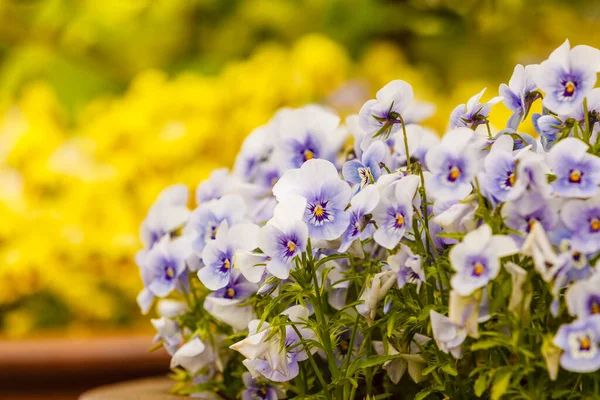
[(499, 175), (383, 115), (284, 236), (582, 219), (577, 171), (207, 217), (368, 169), (520, 215), (310, 132), (453, 163), (474, 113), (225, 304), (393, 215), (567, 77), (476, 259), (360, 227), (326, 195), (166, 215), (162, 269), (218, 254), (583, 297), (579, 341), (519, 94)]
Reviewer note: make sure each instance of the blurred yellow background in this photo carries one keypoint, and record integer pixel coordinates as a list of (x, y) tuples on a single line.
[(104, 103)]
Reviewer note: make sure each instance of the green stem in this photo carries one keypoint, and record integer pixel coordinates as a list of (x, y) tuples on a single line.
[(313, 363), (405, 142), (322, 321), (487, 125), (586, 115)]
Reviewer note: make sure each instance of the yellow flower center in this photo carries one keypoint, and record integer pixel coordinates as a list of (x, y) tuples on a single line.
[(570, 87), (399, 219), (308, 155), (170, 272), (319, 211), (575, 176), (479, 269), (230, 292), (511, 179), (595, 224), (227, 263), (595, 308), (585, 343), (531, 223), (454, 173), (291, 246)]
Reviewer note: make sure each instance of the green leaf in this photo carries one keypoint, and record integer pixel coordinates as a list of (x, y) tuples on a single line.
[(501, 382), (481, 384), (370, 362), (486, 344), (450, 369), (451, 235), (424, 393), (428, 370)]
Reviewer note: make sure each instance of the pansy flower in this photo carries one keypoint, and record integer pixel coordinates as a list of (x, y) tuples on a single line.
[(582, 219), (225, 304), (284, 236), (519, 94), (168, 333), (382, 115), (161, 269), (207, 217), (326, 196), (520, 215), (530, 176), (256, 389), (499, 175), (476, 259), (550, 127), (567, 76), (255, 150), (454, 164), (394, 212), (407, 267), (166, 215), (361, 207), (193, 356), (368, 169), (474, 113), (448, 336), (577, 171), (218, 254), (579, 341), (310, 132), (583, 297)]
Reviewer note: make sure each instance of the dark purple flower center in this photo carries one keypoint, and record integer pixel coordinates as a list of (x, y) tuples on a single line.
[(594, 224), (454, 172), (594, 304), (225, 264), (575, 176), (478, 266), (289, 245), (169, 272), (319, 212), (570, 88)]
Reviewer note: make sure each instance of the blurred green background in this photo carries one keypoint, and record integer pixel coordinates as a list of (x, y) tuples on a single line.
[(102, 103)]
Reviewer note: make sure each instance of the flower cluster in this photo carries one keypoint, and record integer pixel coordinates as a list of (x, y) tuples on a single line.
[(335, 257), (71, 213)]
